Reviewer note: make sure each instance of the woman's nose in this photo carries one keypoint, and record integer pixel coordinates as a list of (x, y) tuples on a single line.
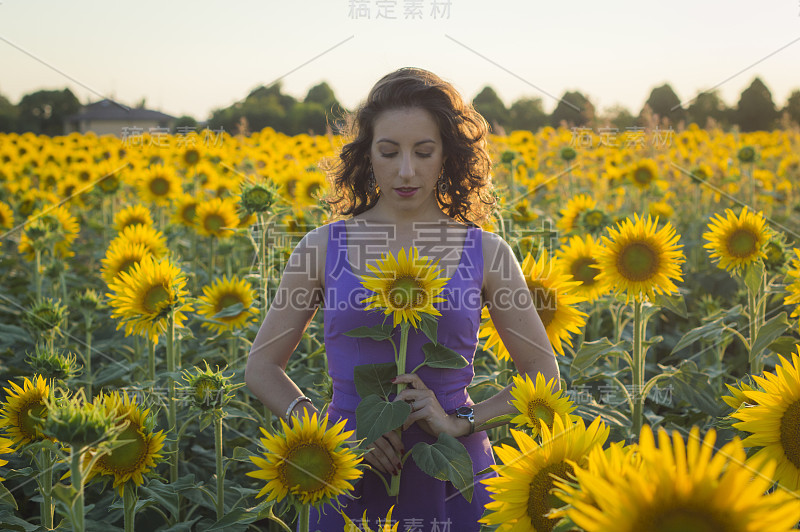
[(406, 166)]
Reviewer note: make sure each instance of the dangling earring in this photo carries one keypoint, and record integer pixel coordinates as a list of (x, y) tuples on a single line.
[(442, 183)]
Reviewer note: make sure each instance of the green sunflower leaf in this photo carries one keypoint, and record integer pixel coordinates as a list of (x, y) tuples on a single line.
[(674, 303), (377, 332), (591, 351), (429, 326), (375, 417), (439, 356), (447, 459), (753, 276), (374, 379), (229, 311), (768, 333)]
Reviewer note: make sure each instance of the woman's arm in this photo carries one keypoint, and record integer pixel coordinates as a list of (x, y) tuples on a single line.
[(518, 324), (291, 310)]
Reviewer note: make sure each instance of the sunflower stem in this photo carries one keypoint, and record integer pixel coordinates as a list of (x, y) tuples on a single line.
[(88, 358), (752, 310), (638, 365), (151, 362), (46, 487), (262, 263), (37, 274), (220, 470), (129, 499), (394, 488), (172, 412), (303, 518), (76, 475)]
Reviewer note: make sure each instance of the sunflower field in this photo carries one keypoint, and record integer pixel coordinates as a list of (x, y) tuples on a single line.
[(135, 273)]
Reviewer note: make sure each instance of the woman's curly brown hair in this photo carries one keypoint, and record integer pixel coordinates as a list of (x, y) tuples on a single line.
[(470, 194)]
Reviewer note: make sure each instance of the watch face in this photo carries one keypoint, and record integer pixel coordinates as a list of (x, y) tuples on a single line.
[(464, 410)]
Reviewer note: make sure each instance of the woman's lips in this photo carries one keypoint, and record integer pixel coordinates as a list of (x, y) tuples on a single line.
[(405, 192)]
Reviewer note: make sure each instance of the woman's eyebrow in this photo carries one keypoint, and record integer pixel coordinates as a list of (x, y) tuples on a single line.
[(397, 143)]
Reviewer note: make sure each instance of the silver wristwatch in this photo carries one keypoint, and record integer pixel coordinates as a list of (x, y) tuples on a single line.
[(468, 413)]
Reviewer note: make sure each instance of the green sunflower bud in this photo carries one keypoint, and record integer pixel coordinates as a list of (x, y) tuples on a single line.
[(53, 364), (567, 153), (78, 423), (256, 198), (45, 317), (207, 389), (747, 154)]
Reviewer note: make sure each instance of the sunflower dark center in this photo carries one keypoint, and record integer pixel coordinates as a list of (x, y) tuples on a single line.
[(154, 297), (539, 409), (790, 433), (687, 519), (594, 218), (742, 243), (638, 262), (544, 299), (540, 500), (643, 176), (582, 271), (191, 157), (126, 265), (309, 467), (129, 456), (159, 186), (213, 223), (133, 220), (189, 212), (406, 293)]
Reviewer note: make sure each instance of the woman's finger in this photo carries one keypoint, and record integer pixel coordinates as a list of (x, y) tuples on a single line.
[(412, 379)]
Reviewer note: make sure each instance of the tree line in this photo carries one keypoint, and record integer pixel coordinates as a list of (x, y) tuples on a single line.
[(44, 111)]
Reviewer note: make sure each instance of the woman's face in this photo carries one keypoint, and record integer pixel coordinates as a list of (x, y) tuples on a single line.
[(407, 157)]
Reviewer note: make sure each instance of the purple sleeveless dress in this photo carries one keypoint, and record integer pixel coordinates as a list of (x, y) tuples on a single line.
[(424, 503)]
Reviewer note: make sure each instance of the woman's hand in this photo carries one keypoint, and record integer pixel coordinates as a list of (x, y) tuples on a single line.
[(425, 408), (385, 453)]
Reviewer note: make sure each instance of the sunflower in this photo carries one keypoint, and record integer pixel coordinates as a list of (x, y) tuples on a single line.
[(185, 210), (538, 403), (5, 448), (569, 215), (521, 491), (159, 184), (555, 302), (793, 275), (684, 487), (643, 173), (59, 225), (153, 239), (144, 297), (307, 462), (638, 259), (386, 526), (120, 257), (577, 259), (737, 242), (774, 419), (216, 217), (132, 215), (131, 460), (618, 460), (221, 295), (21, 409), (6, 216), (405, 287)]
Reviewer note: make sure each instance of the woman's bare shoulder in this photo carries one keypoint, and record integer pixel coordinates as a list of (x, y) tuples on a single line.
[(314, 246)]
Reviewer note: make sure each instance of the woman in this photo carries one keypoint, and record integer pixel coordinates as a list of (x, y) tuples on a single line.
[(416, 173)]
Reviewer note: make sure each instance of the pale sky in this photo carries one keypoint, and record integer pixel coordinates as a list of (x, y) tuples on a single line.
[(192, 57)]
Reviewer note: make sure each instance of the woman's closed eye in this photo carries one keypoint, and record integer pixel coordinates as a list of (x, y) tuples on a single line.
[(388, 155)]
